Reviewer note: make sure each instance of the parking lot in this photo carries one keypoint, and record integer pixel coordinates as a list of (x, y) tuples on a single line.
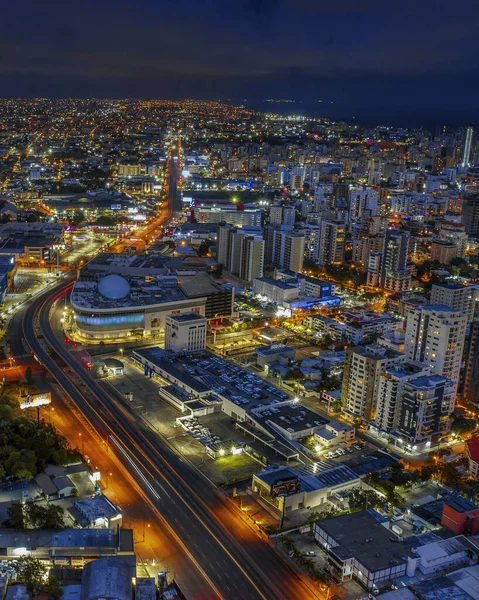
[(344, 450), (162, 417), (244, 388)]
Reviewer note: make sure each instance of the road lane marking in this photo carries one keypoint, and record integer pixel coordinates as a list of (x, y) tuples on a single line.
[(135, 466)]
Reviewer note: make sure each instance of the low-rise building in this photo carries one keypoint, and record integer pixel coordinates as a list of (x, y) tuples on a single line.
[(279, 292), (472, 453), (289, 489), (185, 332), (55, 487), (331, 396), (441, 554), (97, 511), (360, 328), (266, 356), (326, 326), (358, 546), (459, 515), (310, 286), (335, 433), (69, 544)]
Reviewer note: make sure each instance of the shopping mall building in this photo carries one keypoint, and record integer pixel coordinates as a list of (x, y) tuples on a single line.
[(116, 307)]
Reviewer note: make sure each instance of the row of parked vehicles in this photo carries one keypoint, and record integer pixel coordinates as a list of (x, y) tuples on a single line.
[(341, 451)]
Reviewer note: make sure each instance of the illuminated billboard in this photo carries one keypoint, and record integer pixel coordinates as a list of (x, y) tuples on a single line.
[(34, 400), (285, 487)]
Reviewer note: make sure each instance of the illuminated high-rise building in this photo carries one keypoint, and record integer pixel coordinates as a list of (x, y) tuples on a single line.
[(331, 243), (288, 249), (467, 146), (435, 335)]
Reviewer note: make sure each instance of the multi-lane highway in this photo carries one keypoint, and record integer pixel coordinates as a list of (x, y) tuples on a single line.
[(230, 557), (172, 205)]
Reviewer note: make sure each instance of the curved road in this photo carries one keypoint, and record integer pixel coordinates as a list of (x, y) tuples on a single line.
[(233, 560)]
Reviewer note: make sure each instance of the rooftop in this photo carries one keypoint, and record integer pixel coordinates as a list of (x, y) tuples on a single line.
[(427, 381), (438, 308), (460, 504), (66, 538), (361, 535), (186, 317), (292, 417), (116, 262), (273, 349), (279, 283), (95, 508), (107, 577), (309, 481), (198, 285), (90, 294), (210, 373), (432, 511), (375, 351), (450, 285)]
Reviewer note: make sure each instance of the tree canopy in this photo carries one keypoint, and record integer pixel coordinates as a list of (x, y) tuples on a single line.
[(462, 426), (34, 515), (27, 447), (363, 499)]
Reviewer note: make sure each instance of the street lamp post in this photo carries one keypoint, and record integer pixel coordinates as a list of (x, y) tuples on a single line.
[(282, 513)]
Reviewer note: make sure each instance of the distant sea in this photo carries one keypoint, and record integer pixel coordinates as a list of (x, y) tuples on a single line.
[(365, 118)]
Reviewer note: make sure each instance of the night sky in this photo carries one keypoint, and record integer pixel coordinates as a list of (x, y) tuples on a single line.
[(372, 59)]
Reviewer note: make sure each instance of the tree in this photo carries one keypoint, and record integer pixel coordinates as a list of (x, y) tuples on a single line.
[(16, 516), (218, 271), (31, 572), (78, 217), (326, 342), (462, 426), (26, 447), (204, 247), (399, 476), (105, 221), (52, 517), (52, 588), (449, 475), (363, 499), (44, 517), (337, 407), (28, 376)]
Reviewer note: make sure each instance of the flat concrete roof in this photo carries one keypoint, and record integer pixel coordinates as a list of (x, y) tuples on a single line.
[(186, 317), (361, 535), (85, 294)]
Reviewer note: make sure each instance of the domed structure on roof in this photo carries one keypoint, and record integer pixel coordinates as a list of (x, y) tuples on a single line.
[(113, 287)]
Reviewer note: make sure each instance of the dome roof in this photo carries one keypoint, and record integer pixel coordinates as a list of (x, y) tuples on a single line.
[(113, 287)]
